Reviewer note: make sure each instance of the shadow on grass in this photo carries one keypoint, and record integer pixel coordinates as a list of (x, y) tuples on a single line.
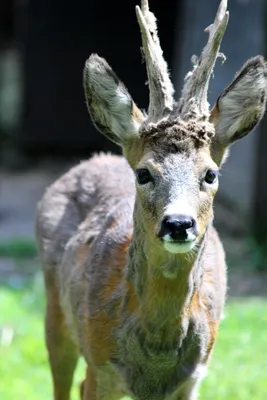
[(18, 248)]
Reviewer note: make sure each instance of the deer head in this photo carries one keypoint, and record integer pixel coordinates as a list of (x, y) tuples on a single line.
[(176, 150)]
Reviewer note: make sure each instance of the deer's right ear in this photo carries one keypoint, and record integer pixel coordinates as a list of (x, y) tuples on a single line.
[(111, 107)]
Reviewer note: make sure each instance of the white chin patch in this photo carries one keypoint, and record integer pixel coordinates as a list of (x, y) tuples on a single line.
[(176, 248)]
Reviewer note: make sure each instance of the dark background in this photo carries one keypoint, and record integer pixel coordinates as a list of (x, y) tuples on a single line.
[(43, 117), (54, 39)]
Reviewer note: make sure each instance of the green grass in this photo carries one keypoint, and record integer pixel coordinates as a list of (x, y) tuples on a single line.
[(238, 369)]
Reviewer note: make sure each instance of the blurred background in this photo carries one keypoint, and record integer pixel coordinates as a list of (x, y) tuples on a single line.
[(45, 129)]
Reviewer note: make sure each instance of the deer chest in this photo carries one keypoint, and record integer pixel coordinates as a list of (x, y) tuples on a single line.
[(155, 370)]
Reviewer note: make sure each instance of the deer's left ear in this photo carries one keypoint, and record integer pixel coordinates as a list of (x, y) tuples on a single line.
[(240, 107)]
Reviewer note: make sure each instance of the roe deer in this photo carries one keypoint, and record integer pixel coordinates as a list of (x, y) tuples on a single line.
[(134, 271)]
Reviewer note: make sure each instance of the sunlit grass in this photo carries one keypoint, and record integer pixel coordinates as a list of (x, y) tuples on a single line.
[(238, 369), (24, 368)]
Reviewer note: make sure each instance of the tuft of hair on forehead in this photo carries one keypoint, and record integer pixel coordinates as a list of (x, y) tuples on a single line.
[(178, 135)]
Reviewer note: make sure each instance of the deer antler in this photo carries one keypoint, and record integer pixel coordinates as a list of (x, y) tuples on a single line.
[(160, 86), (194, 95)]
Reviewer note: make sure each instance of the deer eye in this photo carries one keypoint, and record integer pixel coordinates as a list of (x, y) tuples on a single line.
[(211, 176), (143, 176)]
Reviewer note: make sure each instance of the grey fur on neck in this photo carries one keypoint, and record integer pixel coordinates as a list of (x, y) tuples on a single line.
[(184, 269)]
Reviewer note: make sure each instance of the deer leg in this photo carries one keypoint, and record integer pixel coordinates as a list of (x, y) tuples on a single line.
[(188, 391), (88, 388), (62, 351)]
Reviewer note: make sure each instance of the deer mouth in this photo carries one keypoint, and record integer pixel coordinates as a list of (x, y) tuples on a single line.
[(179, 246)]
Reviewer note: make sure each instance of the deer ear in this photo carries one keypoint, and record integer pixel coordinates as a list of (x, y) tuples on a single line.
[(240, 107), (111, 107)]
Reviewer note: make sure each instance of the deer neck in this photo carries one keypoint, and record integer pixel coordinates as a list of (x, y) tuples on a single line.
[(162, 283)]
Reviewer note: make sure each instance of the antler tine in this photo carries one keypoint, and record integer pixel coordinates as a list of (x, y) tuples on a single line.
[(160, 86), (194, 94)]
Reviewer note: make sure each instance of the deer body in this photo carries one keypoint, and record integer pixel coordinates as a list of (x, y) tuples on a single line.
[(134, 271), (120, 312)]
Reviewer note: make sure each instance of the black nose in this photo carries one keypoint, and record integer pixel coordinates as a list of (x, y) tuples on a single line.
[(177, 226)]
